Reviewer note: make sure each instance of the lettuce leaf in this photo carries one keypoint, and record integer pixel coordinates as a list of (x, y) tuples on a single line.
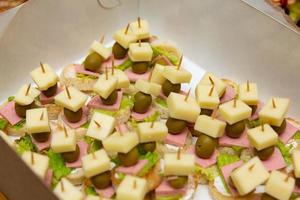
[(19, 125), (159, 51), (11, 98), (210, 172), (253, 123), (25, 144), (121, 176), (86, 125), (176, 197), (161, 102), (152, 158), (125, 65), (226, 159), (107, 112), (297, 135), (91, 191), (127, 101), (94, 144), (3, 123), (78, 75), (116, 161), (153, 117), (285, 151)]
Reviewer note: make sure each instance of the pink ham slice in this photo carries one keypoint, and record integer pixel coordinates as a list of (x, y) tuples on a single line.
[(164, 58), (133, 77), (82, 121), (204, 162), (107, 192), (288, 133), (140, 117), (46, 100), (79, 69), (48, 178), (275, 162), (83, 146), (96, 102), (226, 171), (255, 116), (9, 113), (297, 189), (242, 141), (177, 140), (117, 62), (132, 170), (42, 145), (230, 93), (164, 189)]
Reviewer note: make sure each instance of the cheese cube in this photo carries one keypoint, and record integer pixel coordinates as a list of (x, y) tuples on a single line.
[(123, 80), (180, 167), (262, 139), (93, 197), (37, 121), (100, 49), (107, 125), (157, 74), (140, 53), (274, 116), (218, 83), (148, 87), (232, 114), (280, 185), (37, 162), (207, 97), (125, 39), (120, 142), (63, 142), (181, 108), (248, 94), (157, 132), (142, 31), (22, 99), (209, 126), (296, 162), (250, 175), (105, 87), (65, 190), (8, 139), (96, 163), (132, 188), (177, 75), (46, 79), (74, 103)]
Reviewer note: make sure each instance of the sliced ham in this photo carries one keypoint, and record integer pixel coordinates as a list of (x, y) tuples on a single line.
[(204, 162), (164, 58), (140, 117), (117, 62), (276, 161), (242, 141), (81, 122), (164, 189), (133, 77), (226, 171), (255, 116), (297, 189), (107, 192), (132, 170), (42, 145), (96, 102), (229, 94), (79, 69), (47, 100), (83, 147), (48, 177), (288, 133), (178, 140), (9, 113)]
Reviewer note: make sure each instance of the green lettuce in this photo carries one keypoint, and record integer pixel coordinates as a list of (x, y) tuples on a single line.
[(86, 125), (210, 172), (78, 75), (152, 158), (106, 112), (127, 101), (285, 151), (94, 144), (161, 102), (297, 135), (121, 176), (25, 144), (254, 123), (116, 161), (153, 117), (159, 51), (176, 197), (11, 98), (3, 123), (19, 125), (91, 191), (125, 65), (226, 159)]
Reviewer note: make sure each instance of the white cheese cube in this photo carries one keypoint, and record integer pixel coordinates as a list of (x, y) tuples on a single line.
[(74, 103), (37, 162), (149, 133), (177, 75), (296, 162), (209, 126), (95, 163), (218, 83), (141, 31), (125, 39), (182, 165), (248, 93), (104, 87), (157, 74), (37, 121), (22, 99), (262, 138), (44, 79), (181, 108), (65, 190), (274, 115), (207, 97), (8, 139), (148, 87), (100, 49), (132, 188), (107, 125), (120, 142), (63, 142), (140, 52), (93, 197), (280, 185), (250, 175), (232, 114), (123, 80)]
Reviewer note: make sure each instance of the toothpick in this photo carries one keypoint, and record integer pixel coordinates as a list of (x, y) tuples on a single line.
[(62, 187), (32, 158), (68, 92), (65, 131), (127, 28), (28, 89), (42, 67), (140, 43), (134, 184), (139, 22), (113, 66), (234, 103), (102, 39), (248, 86), (42, 116), (94, 155), (120, 131), (180, 61), (211, 90), (213, 114), (263, 127), (251, 167), (273, 103), (152, 124), (98, 125), (178, 153), (106, 74), (287, 178), (187, 95), (211, 81)]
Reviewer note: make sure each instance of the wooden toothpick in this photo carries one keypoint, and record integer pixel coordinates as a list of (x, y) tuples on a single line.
[(187, 95), (273, 103), (68, 92), (127, 28), (62, 187), (211, 80), (251, 167), (287, 178), (113, 66), (139, 22), (140, 44), (234, 103), (42, 67), (94, 155), (152, 124), (97, 124), (263, 127), (28, 89), (248, 86), (134, 184), (180, 61), (213, 114), (42, 116), (32, 158), (102, 39), (120, 131), (106, 74), (211, 90), (65, 131), (179, 153)]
